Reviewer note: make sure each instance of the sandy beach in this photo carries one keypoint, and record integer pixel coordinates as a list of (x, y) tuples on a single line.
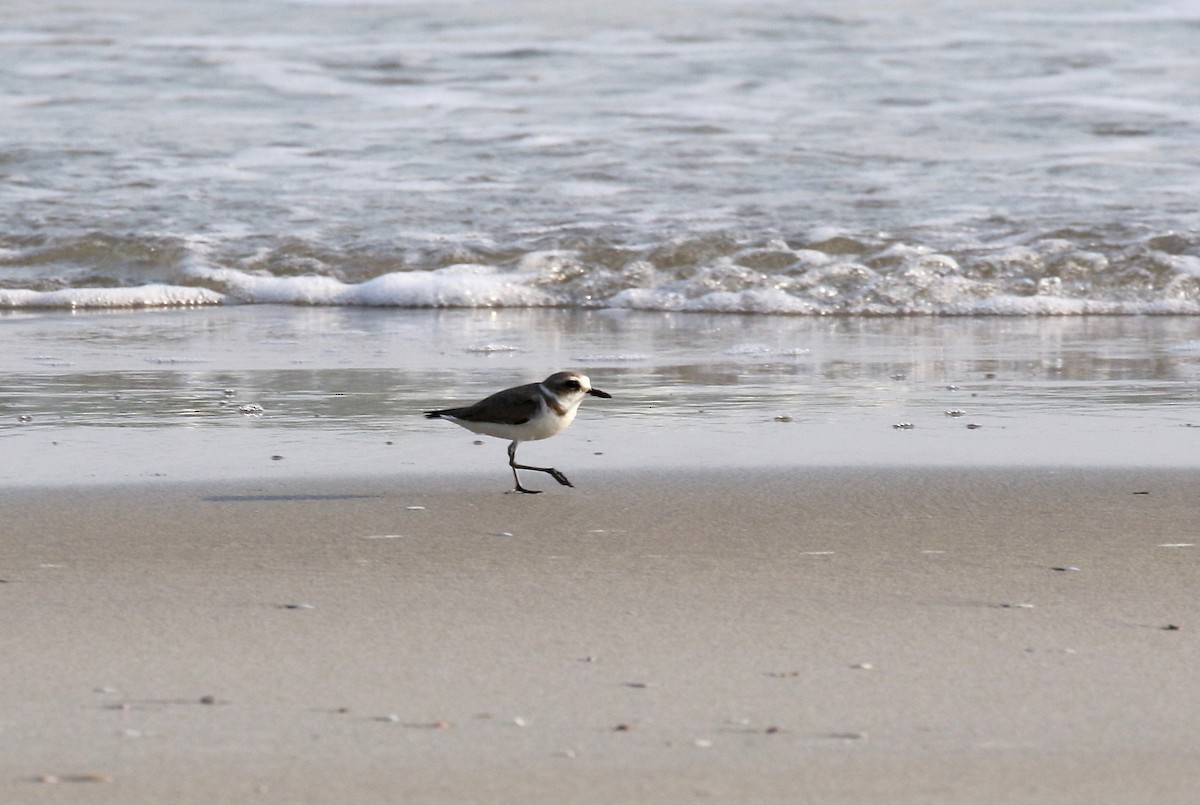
[(830, 635)]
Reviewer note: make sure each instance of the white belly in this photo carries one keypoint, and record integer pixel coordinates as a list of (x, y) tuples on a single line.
[(542, 425)]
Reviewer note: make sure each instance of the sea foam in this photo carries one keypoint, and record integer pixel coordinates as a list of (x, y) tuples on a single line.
[(1046, 278), (453, 286), (141, 296)]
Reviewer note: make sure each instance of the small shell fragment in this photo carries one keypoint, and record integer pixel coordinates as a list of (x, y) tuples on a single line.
[(75, 778)]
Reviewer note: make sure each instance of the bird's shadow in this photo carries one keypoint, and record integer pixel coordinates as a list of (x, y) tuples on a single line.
[(279, 498)]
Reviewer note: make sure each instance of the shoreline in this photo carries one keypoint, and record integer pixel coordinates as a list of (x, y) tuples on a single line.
[(857, 634), (305, 394)]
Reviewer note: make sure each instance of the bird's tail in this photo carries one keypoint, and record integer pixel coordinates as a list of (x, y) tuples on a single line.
[(434, 414)]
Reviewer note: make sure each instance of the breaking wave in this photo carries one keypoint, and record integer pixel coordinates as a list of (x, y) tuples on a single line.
[(824, 274)]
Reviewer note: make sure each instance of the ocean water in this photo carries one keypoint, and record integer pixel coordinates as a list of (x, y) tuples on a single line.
[(881, 157)]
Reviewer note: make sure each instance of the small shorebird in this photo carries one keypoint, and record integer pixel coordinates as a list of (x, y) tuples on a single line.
[(525, 414)]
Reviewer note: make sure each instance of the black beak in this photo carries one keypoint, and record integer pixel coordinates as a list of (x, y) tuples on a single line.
[(599, 393)]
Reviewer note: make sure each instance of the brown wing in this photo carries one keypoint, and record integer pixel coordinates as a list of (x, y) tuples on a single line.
[(509, 407)]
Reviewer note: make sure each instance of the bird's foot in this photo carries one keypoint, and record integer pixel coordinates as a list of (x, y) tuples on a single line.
[(525, 491), (558, 476)]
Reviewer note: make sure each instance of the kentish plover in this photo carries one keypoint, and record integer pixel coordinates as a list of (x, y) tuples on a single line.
[(525, 414)]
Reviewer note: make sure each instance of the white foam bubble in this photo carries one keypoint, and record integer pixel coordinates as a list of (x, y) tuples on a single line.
[(454, 286), (611, 358), (491, 349), (140, 296)]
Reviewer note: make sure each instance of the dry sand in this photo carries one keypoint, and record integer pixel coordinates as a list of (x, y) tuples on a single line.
[(856, 635)]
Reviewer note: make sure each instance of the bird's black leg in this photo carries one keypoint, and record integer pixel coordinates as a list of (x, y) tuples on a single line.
[(512, 462)]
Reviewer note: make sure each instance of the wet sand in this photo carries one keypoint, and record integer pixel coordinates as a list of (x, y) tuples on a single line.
[(828, 635)]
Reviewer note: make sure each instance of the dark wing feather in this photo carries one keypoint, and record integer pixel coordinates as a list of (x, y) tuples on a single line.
[(509, 407)]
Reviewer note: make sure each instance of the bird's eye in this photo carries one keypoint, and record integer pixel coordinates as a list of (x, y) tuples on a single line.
[(571, 384)]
